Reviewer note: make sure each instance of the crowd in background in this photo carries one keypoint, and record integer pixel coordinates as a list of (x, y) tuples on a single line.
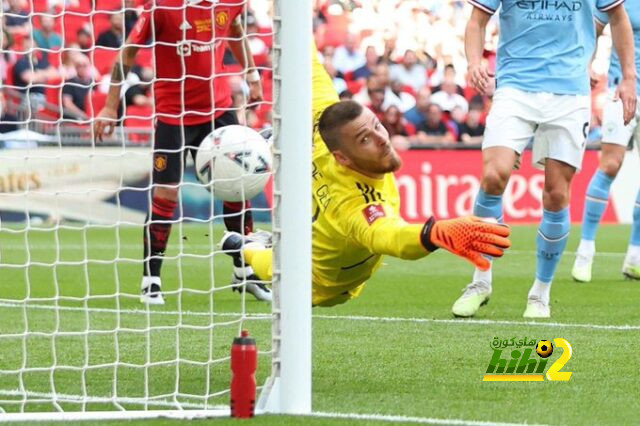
[(404, 59)]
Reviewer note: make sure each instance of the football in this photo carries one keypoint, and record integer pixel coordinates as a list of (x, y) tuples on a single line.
[(544, 348), (234, 163)]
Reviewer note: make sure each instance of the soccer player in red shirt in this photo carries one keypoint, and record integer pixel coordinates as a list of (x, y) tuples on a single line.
[(189, 40)]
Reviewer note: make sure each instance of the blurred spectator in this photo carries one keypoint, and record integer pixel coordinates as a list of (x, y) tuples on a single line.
[(448, 98), (7, 119), (59, 4), (7, 56), (376, 86), (75, 90), (409, 72), (16, 20), (32, 71), (449, 74), (456, 119), (396, 124), (347, 57), (45, 37), (418, 114), (139, 94), (369, 67), (472, 129), (375, 93), (338, 82), (433, 130), (257, 46), (389, 50), (407, 101), (84, 39), (113, 36)]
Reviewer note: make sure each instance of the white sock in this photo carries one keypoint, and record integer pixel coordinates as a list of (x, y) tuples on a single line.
[(587, 248), (633, 254), (541, 290), (484, 276)]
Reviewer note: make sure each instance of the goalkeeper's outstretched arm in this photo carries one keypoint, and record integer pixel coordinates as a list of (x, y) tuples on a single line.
[(468, 237)]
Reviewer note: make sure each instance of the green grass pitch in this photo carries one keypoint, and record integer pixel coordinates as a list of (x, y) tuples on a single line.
[(394, 351)]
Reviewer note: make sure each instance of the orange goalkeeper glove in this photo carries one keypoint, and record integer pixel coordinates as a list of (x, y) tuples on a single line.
[(469, 237)]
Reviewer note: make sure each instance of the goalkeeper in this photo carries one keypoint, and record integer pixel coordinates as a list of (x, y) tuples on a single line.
[(356, 207)]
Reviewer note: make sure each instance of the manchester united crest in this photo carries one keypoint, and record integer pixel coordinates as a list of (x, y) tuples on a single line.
[(222, 18), (160, 162)]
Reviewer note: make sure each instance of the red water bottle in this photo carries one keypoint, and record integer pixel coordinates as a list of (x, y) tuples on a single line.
[(244, 360)]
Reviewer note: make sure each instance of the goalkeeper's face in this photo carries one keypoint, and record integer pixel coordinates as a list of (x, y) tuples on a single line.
[(365, 146)]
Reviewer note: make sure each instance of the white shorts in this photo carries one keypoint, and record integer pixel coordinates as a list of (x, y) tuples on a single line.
[(613, 129), (558, 124)]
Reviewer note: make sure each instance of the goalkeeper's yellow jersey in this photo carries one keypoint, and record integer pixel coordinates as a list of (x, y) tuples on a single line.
[(355, 217)]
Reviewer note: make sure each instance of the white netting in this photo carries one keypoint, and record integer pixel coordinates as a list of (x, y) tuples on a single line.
[(73, 335)]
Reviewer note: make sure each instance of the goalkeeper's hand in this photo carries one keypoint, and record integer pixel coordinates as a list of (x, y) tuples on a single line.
[(469, 237)]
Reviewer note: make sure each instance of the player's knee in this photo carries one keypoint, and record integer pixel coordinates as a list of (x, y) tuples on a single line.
[(555, 198), (494, 180), (611, 165)]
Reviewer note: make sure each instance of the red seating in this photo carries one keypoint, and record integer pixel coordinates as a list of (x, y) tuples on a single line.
[(71, 23), (138, 116), (103, 59), (355, 86), (52, 95), (95, 102)]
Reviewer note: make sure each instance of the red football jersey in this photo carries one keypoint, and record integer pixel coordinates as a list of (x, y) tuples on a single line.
[(187, 36)]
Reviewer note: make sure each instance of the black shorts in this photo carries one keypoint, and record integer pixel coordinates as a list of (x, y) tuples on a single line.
[(172, 143)]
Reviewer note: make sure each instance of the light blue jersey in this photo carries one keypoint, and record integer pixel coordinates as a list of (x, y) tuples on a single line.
[(615, 71), (545, 45)]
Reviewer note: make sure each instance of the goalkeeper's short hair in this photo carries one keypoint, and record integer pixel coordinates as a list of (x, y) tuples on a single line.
[(333, 118)]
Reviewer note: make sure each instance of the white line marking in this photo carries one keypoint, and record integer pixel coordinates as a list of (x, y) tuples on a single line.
[(212, 411), (407, 419), (621, 327), (624, 327)]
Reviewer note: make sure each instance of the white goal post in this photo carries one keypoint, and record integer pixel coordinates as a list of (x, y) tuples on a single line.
[(75, 344)]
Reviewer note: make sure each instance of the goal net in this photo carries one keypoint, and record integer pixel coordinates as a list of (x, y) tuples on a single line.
[(75, 341)]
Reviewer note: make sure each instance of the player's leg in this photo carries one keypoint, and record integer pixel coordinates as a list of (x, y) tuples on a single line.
[(559, 146), (631, 266), (237, 215), (616, 137), (251, 262), (167, 172), (595, 203), (508, 131), (553, 232)]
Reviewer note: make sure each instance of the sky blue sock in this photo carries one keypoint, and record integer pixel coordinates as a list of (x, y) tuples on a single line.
[(635, 228), (550, 242), (595, 203), (487, 205)]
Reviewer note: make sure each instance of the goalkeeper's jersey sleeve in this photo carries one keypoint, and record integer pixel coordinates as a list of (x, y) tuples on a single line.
[(355, 218)]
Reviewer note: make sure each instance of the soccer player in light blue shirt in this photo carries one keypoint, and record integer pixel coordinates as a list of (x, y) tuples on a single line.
[(615, 137), (542, 92)]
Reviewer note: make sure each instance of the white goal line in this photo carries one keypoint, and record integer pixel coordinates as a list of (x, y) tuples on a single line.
[(621, 327), (195, 411)]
